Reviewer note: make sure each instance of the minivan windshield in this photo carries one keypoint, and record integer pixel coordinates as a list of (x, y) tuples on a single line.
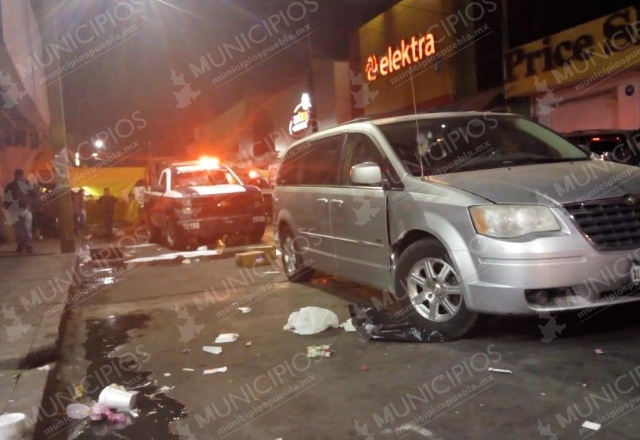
[(463, 143)]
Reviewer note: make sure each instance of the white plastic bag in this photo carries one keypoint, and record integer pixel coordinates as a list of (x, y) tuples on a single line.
[(311, 320)]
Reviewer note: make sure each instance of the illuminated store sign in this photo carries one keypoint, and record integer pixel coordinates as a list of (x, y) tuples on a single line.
[(395, 59)]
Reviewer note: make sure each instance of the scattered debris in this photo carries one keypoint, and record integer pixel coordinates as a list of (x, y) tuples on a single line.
[(215, 370), (212, 349), (79, 392), (311, 320), (167, 374), (78, 411), (591, 425), (101, 411), (146, 384), (172, 256), (252, 259), (165, 388), (598, 351), (134, 413), (248, 344), (226, 337), (383, 325), (186, 350), (186, 261), (188, 369), (365, 368), (244, 309), (45, 368), (117, 397), (271, 272), (348, 326), (500, 370), (314, 351), (203, 248)]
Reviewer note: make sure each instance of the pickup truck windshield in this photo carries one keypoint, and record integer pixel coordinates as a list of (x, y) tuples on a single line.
[(464, 143), (204, 178)]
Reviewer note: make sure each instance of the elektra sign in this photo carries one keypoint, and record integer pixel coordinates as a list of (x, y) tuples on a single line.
[(398, 58)]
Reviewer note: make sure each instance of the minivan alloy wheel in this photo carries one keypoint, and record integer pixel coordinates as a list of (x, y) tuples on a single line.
[(432, 287), (289, 255)]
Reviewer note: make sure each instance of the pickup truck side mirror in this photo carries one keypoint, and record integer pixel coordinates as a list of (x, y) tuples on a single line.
[(367, 173), (157, 188)]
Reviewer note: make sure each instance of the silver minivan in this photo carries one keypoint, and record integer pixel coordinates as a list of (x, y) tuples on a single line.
[(457, 214)]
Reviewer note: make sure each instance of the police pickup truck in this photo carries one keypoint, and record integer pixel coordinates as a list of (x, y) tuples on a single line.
[(202, 201)]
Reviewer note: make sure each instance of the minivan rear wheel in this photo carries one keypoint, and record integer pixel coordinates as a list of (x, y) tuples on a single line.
[(429, 291), (294, 267)]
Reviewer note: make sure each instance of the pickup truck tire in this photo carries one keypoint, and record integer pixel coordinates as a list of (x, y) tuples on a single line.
[(256, 235), (172, 236), (429, 290), (294, 268), (155, 234)]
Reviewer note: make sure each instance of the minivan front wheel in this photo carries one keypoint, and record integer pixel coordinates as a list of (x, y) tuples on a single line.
[(294, 268), (429, 290)]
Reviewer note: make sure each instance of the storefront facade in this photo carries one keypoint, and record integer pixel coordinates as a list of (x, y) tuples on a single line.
[(417, 56), (584, 78), (260, 128)]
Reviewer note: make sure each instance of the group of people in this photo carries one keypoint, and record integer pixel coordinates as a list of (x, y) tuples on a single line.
[(24, 208)]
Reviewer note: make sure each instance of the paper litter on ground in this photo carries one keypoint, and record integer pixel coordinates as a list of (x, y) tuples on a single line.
[(203, 248), (591, 425), (167, 374), (140, 245), (319, 351), (211, 349), (188, 369), (348, 326), (226, 337), (598, 351), (45, 367), (500, 370), (311, 320), (244, 309), (215, 370)]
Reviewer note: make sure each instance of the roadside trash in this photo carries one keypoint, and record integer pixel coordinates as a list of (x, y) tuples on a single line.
[(167, 374), (226, 337), (348, 326), (100, 411), (165, 388), (188, 369), (591, 425), (134, 413), (78, 411), (311, 320), (203, 248), (79, 392), (212, 349), (365, 368), (12, 425), (383, 325), (146, 384), (186, 350), (598, 351), (215, 370), (244, 309), (186, 261), (278, 252), (45, 368), (252, 259), (117, 397), (248, 344), (314, 351), (499, 370)]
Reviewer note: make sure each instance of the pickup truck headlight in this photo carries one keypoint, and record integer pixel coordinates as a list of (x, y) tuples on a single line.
[(258, 201), (511, 221), (185, 206)]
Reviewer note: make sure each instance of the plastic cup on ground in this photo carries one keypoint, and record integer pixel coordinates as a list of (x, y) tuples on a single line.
[(12, 426), (117, 398)]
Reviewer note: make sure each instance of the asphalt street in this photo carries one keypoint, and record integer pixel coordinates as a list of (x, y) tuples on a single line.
[(144, 326)]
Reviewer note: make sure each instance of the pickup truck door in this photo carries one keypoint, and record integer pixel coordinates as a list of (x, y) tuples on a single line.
[(156, 201)]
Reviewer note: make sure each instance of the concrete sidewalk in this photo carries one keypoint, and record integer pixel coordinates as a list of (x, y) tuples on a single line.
[(33, 291)]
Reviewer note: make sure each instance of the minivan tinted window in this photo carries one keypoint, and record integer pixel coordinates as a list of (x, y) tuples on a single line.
[(463, 143), (319, 164)]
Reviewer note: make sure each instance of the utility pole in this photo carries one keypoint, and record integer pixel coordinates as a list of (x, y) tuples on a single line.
[(59, 135)]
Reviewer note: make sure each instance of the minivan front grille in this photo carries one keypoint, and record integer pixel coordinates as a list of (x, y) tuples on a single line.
[(610, 224)]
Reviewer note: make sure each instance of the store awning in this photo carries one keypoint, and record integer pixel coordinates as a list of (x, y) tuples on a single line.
[(483, 101)]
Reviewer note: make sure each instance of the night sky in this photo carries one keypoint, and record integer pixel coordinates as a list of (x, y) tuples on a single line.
[(171, 34)]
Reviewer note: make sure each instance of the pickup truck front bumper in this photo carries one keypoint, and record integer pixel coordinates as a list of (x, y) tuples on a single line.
[(219, 226)]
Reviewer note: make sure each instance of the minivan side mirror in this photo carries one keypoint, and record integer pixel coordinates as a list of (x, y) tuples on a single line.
[(367, 173)]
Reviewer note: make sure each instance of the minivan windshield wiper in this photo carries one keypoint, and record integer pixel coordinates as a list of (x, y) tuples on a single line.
[(516, 162)]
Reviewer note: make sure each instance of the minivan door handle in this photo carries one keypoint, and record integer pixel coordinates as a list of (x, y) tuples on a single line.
[(322, 201), (337, 202)]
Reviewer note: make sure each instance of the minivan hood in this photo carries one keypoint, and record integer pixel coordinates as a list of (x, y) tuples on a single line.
[(549, 184)]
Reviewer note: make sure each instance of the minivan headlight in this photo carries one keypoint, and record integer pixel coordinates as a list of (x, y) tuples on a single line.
[(511, 221)]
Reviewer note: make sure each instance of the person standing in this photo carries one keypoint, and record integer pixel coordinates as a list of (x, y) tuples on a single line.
[(18, 200), (108, 204)]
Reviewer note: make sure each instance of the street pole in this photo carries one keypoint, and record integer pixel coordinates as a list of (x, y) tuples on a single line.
[(59, 139)]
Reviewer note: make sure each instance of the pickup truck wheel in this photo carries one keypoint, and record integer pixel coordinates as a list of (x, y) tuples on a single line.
[(155, 234), (294, 268), (256, 235), (428, 288), (173, 237)]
